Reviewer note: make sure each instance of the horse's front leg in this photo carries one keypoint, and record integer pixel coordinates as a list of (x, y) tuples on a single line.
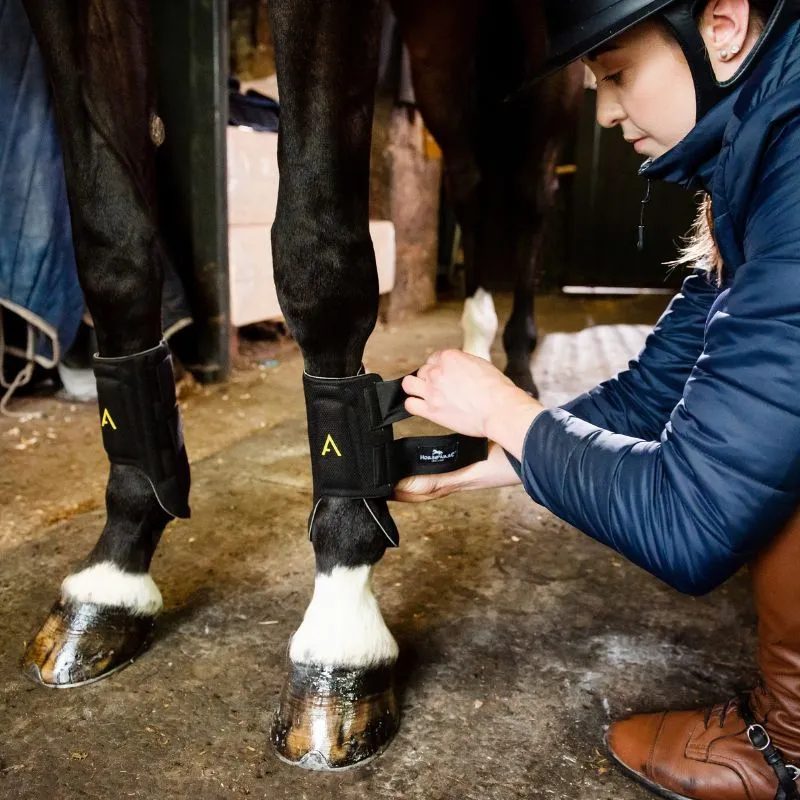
[(338, 707), (107, 125)]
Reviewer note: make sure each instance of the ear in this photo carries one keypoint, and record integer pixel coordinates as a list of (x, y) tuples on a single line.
[(724, 27)]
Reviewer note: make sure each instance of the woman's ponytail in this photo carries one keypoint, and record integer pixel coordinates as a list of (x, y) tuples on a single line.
[(701, 248)]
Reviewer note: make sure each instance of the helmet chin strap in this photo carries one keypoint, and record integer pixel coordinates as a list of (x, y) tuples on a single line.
[(681, 20)]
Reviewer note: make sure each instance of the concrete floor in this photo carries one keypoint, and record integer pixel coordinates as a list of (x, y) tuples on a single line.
[(520, 637)]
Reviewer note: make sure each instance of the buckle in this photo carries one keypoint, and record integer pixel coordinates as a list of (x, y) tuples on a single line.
[(793, 771), (759, 730)]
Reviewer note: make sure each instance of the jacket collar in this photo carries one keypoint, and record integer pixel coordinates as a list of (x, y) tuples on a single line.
[(692, 161)]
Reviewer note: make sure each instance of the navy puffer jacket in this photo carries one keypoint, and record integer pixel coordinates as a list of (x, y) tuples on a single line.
[(688, 462)]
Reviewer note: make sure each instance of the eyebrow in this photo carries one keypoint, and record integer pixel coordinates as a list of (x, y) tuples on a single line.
[(593, 55)]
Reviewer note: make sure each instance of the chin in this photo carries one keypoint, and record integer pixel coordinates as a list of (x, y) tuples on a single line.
[(648, 148)]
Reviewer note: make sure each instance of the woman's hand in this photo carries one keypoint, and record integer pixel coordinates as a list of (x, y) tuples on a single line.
[(468, 395), (493, 473)]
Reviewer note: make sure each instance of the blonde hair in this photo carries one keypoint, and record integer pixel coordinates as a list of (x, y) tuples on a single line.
[(701, 248)]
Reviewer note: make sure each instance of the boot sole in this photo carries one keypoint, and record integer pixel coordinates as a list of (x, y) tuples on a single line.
[(642, 781)]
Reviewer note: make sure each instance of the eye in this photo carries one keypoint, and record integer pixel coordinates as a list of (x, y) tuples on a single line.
[(614, 77)]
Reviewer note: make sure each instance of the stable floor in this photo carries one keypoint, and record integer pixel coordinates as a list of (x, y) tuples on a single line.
[(520, 637)]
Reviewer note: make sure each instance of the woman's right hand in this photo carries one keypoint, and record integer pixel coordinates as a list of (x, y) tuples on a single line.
[(493, 473)]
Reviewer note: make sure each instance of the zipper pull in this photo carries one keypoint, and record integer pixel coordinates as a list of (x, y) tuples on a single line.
[(645, 201)]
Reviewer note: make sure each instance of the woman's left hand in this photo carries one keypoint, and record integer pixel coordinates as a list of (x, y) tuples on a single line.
[(470, 396), (493, 473)]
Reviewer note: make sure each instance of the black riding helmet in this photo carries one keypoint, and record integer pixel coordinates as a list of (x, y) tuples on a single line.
[(576, 27)]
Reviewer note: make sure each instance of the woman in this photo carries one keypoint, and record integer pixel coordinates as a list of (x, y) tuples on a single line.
[(688, 463)]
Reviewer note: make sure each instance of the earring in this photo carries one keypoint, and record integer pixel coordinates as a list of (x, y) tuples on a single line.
[(735, 49), (724, 55)]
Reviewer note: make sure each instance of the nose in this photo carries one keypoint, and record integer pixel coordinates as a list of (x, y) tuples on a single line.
[(609, 112)]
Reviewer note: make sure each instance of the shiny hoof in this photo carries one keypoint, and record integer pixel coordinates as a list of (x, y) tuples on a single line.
[(335, 718), (80, 643), (523, 378)]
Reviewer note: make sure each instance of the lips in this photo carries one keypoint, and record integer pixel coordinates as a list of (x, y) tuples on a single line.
[(637, 144)]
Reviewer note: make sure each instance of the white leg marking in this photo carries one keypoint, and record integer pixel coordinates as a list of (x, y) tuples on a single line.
[(479, 323), (343, 625), (107, 585)]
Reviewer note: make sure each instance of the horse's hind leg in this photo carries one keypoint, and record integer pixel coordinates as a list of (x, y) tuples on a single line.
[(534, 128), (442, 37), (97, 56)]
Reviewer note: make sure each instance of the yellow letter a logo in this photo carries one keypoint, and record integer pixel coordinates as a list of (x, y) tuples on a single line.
[(330, 445), (107, 420)]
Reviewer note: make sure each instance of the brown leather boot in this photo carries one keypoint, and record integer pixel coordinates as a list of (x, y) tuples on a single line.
[(745, 749)]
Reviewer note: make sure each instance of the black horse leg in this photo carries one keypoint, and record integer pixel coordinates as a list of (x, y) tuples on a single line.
[(520, 334), (528, 215), (442, 38), (338, 707), (97, 56), (535, 128)]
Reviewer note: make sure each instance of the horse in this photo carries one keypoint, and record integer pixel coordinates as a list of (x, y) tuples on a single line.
[(338, 708)]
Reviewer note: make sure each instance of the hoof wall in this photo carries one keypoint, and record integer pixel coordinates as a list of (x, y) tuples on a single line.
[(333, 719), (81, 643)]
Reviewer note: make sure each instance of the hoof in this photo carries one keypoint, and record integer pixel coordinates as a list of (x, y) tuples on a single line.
[(523, 379), (335, 718), (80, 643)]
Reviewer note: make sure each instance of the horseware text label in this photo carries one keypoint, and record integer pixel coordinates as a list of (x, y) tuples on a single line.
[(107, 420), (434, 455)]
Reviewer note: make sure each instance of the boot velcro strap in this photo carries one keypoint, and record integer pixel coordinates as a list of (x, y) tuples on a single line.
[(423, 455), (141, 424), (391, 399), (353, 450), (787, 774)]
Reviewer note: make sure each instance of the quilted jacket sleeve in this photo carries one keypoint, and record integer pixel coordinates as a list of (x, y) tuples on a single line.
[(696, 504), (639, 400)]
